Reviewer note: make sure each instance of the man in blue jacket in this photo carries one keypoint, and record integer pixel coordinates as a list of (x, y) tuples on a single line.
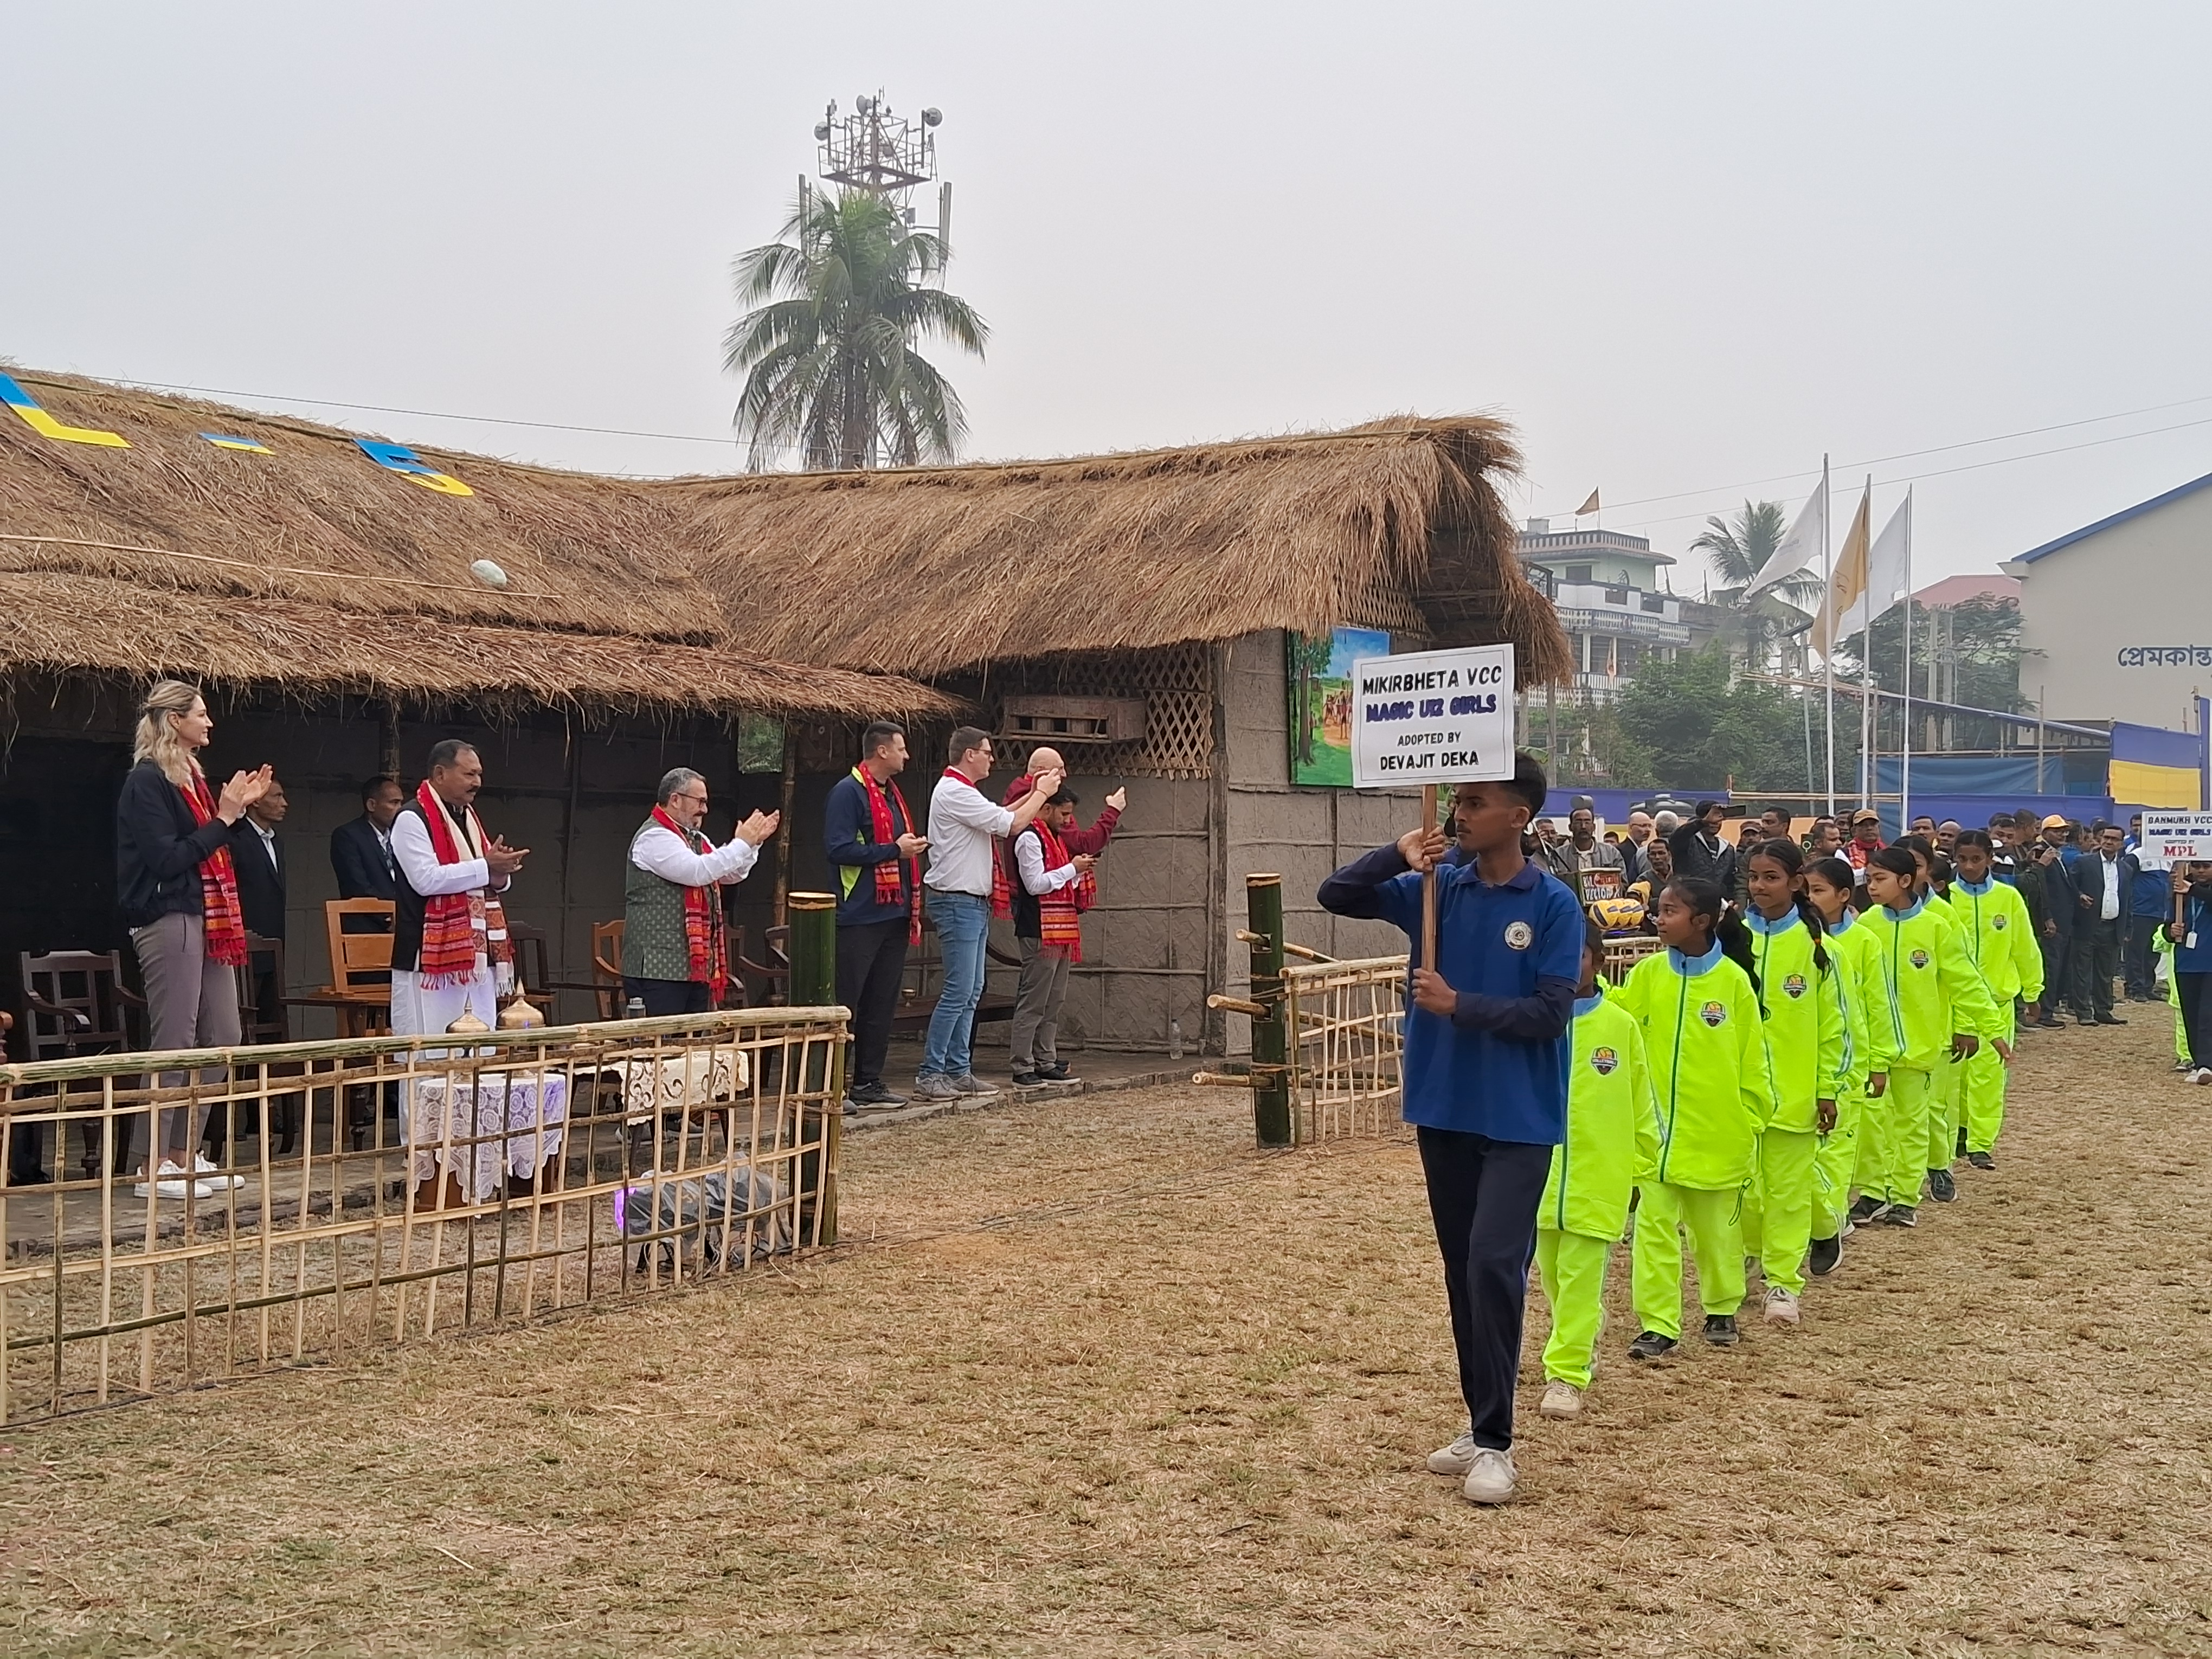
[(2148, 903), (868, 834), (1483, 1076)]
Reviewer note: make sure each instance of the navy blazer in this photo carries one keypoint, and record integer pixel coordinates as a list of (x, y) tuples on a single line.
[(2088, 875), (260, 883), (358, 859)]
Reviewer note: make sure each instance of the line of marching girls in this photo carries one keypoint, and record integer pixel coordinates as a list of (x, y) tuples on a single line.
[(1812, 1060)]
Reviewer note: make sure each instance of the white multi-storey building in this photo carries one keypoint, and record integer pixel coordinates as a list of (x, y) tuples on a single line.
[(1606, 589)]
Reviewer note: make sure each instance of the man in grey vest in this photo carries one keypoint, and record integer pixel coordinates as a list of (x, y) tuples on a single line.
[(674, 949)]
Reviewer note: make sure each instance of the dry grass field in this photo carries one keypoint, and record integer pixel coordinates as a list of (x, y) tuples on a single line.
[(1095, 1378)]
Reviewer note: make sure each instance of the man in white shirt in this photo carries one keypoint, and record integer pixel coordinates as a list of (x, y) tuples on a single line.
[(963, 826), (422, 1002), (1634, 864), (1047, 911), (2102, 878), (675, 956)]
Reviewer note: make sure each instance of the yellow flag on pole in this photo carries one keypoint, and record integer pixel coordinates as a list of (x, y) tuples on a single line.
[(1847, 580), (1588, 506)]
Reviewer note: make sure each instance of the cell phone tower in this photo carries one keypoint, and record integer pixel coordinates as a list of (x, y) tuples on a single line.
[(874, 148)]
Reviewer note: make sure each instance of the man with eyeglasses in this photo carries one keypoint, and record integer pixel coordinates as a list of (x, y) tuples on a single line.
[(675, 955), (963, 822)]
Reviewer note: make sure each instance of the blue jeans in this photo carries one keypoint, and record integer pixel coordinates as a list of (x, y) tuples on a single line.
[(963, 922)]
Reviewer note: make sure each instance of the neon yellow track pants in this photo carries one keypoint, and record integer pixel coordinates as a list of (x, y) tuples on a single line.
[(1572, 1266), (1986, 1097), (1904, 1111), (1714, 1222), (1835, 1167), (1777, 1209), (1946, 1112)]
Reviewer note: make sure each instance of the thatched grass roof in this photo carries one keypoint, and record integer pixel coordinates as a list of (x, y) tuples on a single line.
[(311, 569), (925, 571)]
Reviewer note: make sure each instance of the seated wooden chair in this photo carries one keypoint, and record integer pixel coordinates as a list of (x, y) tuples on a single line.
[(533, 962), (607, 966), (361, 967), (263, 1019), (74, 1002), (774, 974)]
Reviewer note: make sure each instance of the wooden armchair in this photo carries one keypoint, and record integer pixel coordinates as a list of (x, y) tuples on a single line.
[(74, 1002)]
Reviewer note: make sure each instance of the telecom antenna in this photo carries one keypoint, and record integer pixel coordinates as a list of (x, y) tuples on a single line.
[(875, 150)]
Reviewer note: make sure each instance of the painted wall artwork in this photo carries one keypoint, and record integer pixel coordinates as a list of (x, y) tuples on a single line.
[(1319, 676)]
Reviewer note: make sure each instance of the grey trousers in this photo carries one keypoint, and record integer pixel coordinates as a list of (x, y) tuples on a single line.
[(190, 1003), (1037, 999)]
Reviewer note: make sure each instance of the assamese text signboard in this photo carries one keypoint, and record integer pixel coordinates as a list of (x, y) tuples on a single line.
[(1433, 717)]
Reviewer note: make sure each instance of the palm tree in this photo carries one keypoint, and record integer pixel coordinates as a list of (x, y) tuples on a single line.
[(827, 349), (1739, 552)]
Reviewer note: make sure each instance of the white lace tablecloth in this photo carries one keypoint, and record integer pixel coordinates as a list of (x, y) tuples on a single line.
[(524, 1116), (684, 1082)]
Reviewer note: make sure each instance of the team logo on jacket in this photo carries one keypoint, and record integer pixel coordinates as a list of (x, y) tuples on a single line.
[(1714, 1014), (1795, 985), (1998, 922), (1920, 958), (1520, 935), (1603, 1060)]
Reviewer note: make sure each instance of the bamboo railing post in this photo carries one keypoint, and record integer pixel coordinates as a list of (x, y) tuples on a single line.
[(1271, 1052), (814, 985)]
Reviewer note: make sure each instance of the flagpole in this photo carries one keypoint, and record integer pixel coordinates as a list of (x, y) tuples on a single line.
[(1827, 583), (1870, 720), (1905, 748)]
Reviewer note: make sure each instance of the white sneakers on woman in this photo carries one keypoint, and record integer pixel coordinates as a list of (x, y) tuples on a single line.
[(170, 1182), (210, 1174)]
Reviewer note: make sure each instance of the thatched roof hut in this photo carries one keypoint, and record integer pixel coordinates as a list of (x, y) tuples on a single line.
[(1396, 524), (313, 569)]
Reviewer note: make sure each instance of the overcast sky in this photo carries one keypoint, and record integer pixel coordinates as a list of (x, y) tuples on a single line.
[(1683, 248)]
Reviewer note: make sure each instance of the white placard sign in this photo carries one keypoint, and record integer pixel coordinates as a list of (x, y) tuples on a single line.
[(1433, 717), (2172, 838)]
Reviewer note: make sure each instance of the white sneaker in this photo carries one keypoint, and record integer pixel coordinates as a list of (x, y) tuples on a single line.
[(169, 1181), (211, 1175), (1562, 1399), (1491, 1480), (2202, 1074), (1781, 1306), (1454, 1459)]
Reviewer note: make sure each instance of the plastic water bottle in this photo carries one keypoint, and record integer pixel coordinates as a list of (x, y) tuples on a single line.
[(1175, 1039)]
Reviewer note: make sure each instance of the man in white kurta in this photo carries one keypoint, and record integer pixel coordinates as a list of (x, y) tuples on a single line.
[(456, 774)]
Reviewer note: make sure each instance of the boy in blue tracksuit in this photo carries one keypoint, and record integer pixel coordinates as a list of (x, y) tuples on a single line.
[(1485, 1076)]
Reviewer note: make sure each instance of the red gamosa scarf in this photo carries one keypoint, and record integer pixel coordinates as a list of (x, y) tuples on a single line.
[(706, 943), (457, 927), (226, 919)]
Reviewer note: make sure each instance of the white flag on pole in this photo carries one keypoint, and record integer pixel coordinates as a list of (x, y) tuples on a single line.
[(1803, 547), (1887, 576)]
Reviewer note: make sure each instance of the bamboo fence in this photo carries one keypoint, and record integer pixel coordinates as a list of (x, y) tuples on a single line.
[(1346, 1035), (432, 1191)]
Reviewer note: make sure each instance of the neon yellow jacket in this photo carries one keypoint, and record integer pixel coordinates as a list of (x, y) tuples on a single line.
[(1852, 944), (1930, 988), (1808, 1039), (1703, 1036), (1613, 1125), (1994, 921)]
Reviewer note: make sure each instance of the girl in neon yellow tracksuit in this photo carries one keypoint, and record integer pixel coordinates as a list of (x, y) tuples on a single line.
[(1994, 920), (1861, 1133), (1698, 1008), (1935, 1003), (1613, 1142), (1801, 992)]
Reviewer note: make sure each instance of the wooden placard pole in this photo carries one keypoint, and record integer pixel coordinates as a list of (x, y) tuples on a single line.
[(1271, 1039), (813, 949), (1429, 883)]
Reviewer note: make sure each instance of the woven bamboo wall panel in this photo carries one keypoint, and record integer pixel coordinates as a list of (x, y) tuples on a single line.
[(1176, 682)]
